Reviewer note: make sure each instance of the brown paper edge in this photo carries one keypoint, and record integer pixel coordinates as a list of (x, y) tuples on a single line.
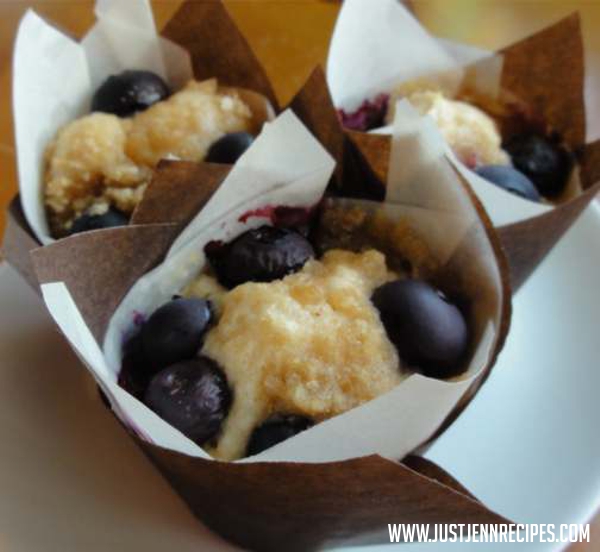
[(313, 105), (589, 164), (100, 266), (527, 243), (178, 191), (217, 47), (546, 71), (316, 505), (505, 307)]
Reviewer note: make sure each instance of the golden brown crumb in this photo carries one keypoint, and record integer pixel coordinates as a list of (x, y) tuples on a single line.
[(471, 133), (311, 344)]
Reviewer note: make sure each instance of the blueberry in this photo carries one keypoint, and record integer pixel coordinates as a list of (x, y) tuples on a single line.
[(261, 255), (175, 331), (548, 165), (509, 179), (192, 396), (229, 148), (429, 332), (129, 92), (135, 371), (275, 431), (110, 219)]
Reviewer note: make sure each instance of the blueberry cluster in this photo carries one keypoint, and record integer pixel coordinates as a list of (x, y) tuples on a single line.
[(163, 366)]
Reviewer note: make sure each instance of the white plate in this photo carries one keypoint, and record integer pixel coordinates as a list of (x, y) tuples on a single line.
[(528, 445)]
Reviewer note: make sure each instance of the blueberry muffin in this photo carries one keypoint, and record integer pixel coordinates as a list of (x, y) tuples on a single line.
[(281, 331), (97, 167)]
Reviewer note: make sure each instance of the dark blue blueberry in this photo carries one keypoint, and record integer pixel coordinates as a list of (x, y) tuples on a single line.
[(430, 332), (128, 92), (192, 396), (261, 255), (275, 431), (110, 219), (510, 179), (547, 164), (136, 371), (229, 148), (175, 331)]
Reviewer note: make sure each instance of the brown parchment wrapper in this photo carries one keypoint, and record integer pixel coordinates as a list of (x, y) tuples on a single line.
[(260, 506), (546, 72), (19, 241), (589, 165), (527, 243), (217, 47), (177, 191), (361, 168), (99, 267)]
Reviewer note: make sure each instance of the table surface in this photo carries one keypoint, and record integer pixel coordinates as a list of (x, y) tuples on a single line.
[(291, 36)]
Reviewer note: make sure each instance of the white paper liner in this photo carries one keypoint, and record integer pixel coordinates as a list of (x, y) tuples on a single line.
[(503, 208), (391, 425), (54, 78), (377, 45)]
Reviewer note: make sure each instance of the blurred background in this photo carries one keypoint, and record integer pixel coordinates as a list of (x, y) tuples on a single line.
[(291, 36)]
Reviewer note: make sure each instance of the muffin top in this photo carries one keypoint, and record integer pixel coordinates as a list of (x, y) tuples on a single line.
[(311, 344), (102, 160)]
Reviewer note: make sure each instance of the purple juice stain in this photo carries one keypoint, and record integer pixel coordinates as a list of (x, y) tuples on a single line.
[(131, 376), (139, 318), (282, 216), (213, 247), (369, 115)]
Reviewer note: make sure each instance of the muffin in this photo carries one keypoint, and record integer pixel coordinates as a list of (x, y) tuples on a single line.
[(93, 118), (98, 166), (515, 117)]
